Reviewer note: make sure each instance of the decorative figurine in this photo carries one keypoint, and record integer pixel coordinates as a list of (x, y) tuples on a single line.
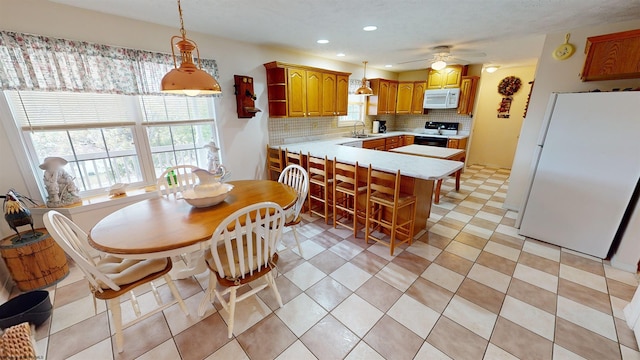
[(212, 156), (17, 214), (61, 190), (213, 165)]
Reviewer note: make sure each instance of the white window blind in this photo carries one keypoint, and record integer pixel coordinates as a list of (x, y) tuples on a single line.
[(42, 110), (164, 109), (102, 136)]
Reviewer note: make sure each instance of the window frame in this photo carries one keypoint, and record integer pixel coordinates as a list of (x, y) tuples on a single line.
[(344, 121), (22, 143)]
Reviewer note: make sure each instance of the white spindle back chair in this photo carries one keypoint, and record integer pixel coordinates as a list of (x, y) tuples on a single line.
[(298, 178), (107, 284), (176, 179), (243, 249)]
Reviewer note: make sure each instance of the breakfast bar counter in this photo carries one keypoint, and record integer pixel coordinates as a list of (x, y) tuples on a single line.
[(417, 167), (438, 153), (418, 172)]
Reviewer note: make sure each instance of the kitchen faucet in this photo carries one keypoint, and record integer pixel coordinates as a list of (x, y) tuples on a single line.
[(355, 131)]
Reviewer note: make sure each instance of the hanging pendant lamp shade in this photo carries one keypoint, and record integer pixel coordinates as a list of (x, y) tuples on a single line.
[(187, 79), (364, 89)]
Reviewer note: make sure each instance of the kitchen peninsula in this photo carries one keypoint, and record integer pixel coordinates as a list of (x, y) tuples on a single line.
[(418, 173)]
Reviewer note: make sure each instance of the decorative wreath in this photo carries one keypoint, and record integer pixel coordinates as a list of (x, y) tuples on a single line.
[(509, 85)]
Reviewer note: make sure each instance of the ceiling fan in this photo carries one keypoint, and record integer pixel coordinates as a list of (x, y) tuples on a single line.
[(441, 55)]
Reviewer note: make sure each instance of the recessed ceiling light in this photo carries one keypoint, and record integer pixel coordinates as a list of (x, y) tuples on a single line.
[(370, 28), (322, 41), (341, 54), (388, 65)]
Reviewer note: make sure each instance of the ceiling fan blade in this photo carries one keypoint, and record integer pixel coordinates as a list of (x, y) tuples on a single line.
[(412, 61), (470, 54)]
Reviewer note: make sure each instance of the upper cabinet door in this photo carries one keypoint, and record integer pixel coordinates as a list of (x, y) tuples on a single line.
[(297, 92), (435, 79), (405, 96), (612, 56), (383, 96), (391, 99), (448, 77), (467, 94), (342, 95), (452, 77), (329, 88), (418, 97), (314, 93)]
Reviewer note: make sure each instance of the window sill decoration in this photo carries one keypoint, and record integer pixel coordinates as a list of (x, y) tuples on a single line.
[(507, 87)]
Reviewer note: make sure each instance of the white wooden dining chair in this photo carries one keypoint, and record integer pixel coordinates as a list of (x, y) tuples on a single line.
[(110, 277), (298, 178), (243, 249), (176, 179)]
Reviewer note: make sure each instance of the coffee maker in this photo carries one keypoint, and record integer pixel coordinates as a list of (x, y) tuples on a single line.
[(383, 126)]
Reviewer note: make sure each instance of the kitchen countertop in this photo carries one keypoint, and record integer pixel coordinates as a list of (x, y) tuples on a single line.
[(409, 165), (430, 151)]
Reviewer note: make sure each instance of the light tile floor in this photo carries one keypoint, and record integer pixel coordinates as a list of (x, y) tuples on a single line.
[(470, 288)]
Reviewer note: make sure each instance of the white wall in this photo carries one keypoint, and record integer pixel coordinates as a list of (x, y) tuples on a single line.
[(493, 140), (556, 76)]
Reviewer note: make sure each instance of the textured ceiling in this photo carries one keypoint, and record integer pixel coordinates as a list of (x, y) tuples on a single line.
[(506, 32)]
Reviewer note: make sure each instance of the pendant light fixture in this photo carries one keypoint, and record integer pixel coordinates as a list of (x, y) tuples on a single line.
[(187, 79), (364, 89)]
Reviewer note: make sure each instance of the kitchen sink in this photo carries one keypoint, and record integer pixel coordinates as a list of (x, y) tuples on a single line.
[(361, 136)]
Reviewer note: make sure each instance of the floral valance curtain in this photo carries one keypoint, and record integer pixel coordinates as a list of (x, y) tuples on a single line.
[(34, 62)]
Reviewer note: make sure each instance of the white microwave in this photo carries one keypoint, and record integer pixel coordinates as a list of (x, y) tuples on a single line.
[(441, 98)]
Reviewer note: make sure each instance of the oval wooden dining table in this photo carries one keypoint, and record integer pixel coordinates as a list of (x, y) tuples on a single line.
[(165, 226)]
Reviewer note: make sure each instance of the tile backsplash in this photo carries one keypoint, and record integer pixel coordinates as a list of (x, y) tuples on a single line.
[(289, 130), (413, 122)]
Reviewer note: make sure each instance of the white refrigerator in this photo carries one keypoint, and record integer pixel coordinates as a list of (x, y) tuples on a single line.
[(586, 172)]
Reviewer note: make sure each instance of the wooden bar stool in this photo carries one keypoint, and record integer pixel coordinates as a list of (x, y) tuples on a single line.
[(438, 185), (275, 162), (294, 158), (389, 211), (320, 186), (348, 188)]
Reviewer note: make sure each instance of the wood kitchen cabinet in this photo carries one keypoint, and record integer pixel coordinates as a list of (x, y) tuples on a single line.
[(301, 91), (392, 142), (391, 99), (381, 89), (457, 143), (405, 97), (418, 97), (468, 89), (383, 100), (304, 92), (410, 97), (612, 56), (388, 143), (448, 77), (342, 94), (375, 144), (335, 94)]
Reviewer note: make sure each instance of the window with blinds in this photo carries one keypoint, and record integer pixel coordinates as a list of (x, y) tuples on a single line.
[(110, 138), (355, 110)]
